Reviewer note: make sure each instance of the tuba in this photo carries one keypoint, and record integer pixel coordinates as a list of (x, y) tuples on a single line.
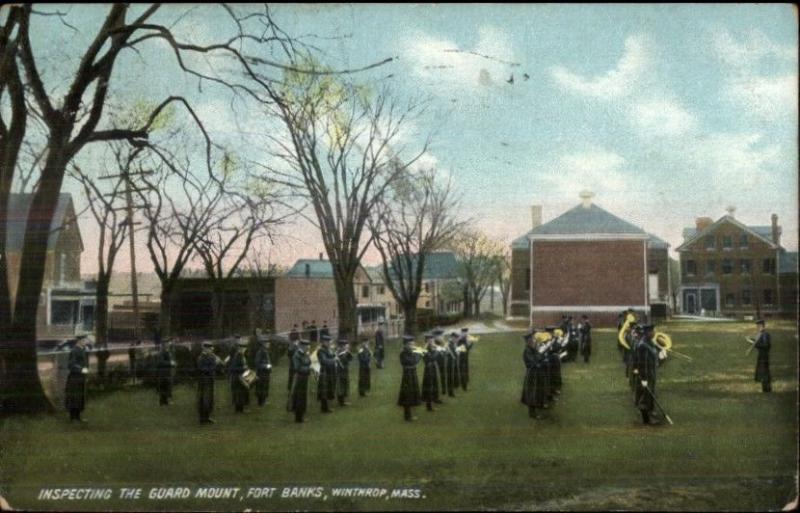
[(247, 378)]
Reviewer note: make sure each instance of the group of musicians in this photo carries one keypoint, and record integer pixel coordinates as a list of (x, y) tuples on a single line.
[(641, 357), (445, 369)]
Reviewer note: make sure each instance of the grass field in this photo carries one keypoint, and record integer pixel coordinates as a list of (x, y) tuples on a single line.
[(731, 448)]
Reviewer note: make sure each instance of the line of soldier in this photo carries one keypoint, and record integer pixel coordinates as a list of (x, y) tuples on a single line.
[(544, 351), (446, 368), (578, 338)]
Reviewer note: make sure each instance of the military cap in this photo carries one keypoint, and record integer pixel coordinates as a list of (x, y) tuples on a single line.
[(647, 328), (305, 342), (437, 332), (453, 334), (325, 338), (208, 343), (429, 335), (407, 339)]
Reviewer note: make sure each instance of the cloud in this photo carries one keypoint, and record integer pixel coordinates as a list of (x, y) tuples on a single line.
[(661, 117), (466, 70), (616, 83), (747, 86), (597, 170)]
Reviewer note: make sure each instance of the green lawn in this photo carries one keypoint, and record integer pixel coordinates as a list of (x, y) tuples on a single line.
[(731, 448)]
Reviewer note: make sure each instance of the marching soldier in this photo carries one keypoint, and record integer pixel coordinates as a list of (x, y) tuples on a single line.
[(379, 349), (533, 387), (326, 386), (238, 366), (645, 363), (430, 382), (553, 359), (298, 395), (294, 344), (263, 367), (441, 361), (453, 368), (364, 361), (75, 391), (634, 335), (207, 364), (465, 346), (573, 341), (763, 344), (343, 359), (585, 330), (409, 384), (164, 366)]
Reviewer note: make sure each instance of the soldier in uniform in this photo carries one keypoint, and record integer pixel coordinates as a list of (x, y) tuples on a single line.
[(238, 365), (463, 357), (585, 330), (634, 335), (453, 368), (164, 366), (430, 381), (263, 367), (294, 344), (207, 364), (409, 384), (343, 359), (379, 349), (533, 387), (573, 341), (326, 386), (75, 392), (644, 365), (364, 362), (441, 361), (553, 365), (298, 395), (763, 344)]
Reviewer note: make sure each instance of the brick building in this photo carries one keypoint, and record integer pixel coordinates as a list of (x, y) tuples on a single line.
[(587, 261), (734, 270), (67, 303)]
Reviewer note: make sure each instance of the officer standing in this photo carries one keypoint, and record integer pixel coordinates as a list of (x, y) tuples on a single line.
[(164, 366), (430, 381), (533, 387), (763, 344), (75, 392), (452, 362), (379, 349), (364, 362), (409, 384), (343, 359), (441, 361), (326, 386), (207, 364), (263, 367), (585, 330), (463, 357), (294, 345), (644, 365), (238, 366), (298, 395)]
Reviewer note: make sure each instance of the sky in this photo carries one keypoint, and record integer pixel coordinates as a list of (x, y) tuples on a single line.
[(665, 112)]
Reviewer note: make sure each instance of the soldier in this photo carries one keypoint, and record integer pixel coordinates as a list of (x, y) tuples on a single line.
[(379, 349), (298, 395), (573, 341), (585, 330), (343, 359), (364, 362), (464, 347), (553, 365), (75, 392), (533, 387), (294, 344), (263, 367), (409, 384), (763, 344), (326, 386), (164, 366), (452, 362), (441, 362), (430, 381), (644, 365), (207, 364), (634, 335), (238, 366)]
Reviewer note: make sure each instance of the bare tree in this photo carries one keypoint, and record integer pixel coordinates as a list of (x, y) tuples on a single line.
[(477, 256), (415, 218), (341, 155)]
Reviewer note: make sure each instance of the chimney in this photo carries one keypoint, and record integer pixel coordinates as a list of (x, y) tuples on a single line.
[(701, 223), (730, 210), (776, 230), (586, 198), (320, 256), (308, 270), (536, 216)]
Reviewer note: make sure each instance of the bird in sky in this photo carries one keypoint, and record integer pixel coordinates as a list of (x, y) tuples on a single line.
[(526, 76), (511, 79)]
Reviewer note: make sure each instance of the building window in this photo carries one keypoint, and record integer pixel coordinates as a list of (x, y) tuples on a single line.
[(746, 299), (744, 243), (63, 313), (711, 267), (381, 290), (769, 266), (730, 300), (745, 266), (710, 242), (727, 242), (768, 297), (691, 268), (365, 291), (727, 266)]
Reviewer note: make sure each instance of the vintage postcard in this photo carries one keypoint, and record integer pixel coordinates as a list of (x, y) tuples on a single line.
[(429, 257)]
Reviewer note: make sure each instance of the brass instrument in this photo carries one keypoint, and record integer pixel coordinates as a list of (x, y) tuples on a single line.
[(248, 377), (315, 365)]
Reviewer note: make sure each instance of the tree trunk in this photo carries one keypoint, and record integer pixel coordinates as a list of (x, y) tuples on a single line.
[(101, 311), (467, 302), (347, 306), (410, 314), (477, 308)]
